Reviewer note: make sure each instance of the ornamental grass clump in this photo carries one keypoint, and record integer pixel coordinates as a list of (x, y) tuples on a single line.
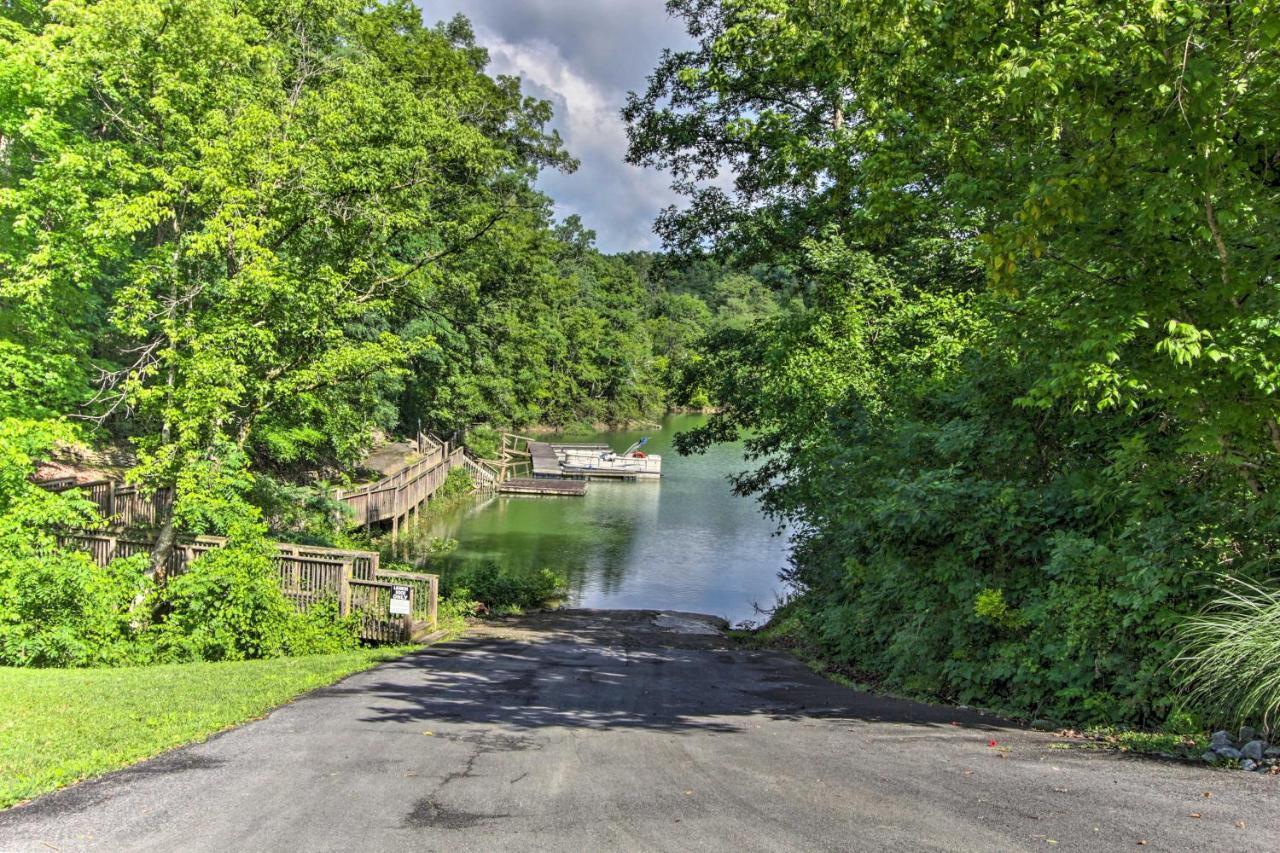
[(1231, 657)]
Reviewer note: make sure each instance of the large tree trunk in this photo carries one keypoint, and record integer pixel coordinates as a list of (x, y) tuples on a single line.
[(160, 552)]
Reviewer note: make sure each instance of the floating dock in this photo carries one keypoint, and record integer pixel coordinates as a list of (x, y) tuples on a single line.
[(543, 486), (590, 462)]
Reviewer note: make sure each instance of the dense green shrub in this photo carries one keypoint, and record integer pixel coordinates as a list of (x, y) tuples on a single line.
[(56, 607), (458, 483), (1003, 557), (321, 631), (499, 589), (307, 514), (226, 606), (484, 441), (60, 609)]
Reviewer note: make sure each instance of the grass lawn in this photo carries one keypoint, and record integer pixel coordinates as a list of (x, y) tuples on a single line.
[(58, 726)]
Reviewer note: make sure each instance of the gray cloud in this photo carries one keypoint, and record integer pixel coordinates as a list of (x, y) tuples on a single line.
[(583, 56)]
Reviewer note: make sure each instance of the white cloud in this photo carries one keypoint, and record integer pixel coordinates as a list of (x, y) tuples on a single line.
[(618, 200), (584, 70)]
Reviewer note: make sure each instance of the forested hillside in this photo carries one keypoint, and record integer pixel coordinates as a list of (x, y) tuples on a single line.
[(1025, 420), (268, 230)]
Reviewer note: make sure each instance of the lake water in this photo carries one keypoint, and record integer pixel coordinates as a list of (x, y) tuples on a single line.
[(685, 542)]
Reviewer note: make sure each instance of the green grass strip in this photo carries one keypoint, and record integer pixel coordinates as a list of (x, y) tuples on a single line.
[(59, 726)]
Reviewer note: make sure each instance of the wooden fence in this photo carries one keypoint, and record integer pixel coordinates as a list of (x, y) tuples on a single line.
[(372, 600), (364, 564), (106, 546), (121, 505), (308, 575)]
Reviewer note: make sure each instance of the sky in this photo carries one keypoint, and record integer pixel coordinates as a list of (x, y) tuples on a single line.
[(583, 56)]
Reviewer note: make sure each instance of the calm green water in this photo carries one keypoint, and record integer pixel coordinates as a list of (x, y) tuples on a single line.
[(683, 543)]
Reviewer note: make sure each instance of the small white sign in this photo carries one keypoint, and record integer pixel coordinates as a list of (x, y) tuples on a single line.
[(399, 600)]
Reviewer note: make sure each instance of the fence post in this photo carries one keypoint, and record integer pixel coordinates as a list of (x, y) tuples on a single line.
[(344, 590), (407, 619), (434, 593)]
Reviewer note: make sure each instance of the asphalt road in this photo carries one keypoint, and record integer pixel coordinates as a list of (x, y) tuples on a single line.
[(620, 731)]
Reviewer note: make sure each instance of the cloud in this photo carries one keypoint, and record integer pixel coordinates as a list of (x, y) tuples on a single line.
[(584, 57)]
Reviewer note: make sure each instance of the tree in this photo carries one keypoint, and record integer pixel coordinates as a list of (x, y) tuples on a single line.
[(1037, 246), (251, 199)]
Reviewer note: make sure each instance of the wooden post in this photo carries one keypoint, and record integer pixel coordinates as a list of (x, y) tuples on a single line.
[(344, 590), (434, 593), (407, 619)]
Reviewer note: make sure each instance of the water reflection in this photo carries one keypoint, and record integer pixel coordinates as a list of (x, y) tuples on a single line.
[(684, 543)]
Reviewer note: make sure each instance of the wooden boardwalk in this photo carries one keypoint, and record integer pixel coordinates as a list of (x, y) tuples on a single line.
[(545, 461), (398, 497), (308, 574), (543, 486)]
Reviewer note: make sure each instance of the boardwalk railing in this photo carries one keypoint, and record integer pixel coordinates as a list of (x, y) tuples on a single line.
[(402, 493), (121, 505), (484, 474), (392, 499), (104, 547), (364, 564), (308, 575)]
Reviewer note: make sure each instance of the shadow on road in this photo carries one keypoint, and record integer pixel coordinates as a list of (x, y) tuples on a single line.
[(586, 677)]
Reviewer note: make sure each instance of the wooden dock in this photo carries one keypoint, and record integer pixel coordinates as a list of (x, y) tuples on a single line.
[(543, 486), (583, 462), (545, 461)]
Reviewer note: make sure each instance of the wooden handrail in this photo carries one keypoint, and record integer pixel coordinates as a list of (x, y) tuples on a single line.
[(412, 576), (375, 584)]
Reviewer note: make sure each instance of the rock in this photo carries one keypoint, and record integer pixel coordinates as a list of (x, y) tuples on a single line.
[(1209, 757), (1247, 734), (1248, 764), (1253, 750), (1273, 752), (1229, 752), (1219, 739), (1043, 725)]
